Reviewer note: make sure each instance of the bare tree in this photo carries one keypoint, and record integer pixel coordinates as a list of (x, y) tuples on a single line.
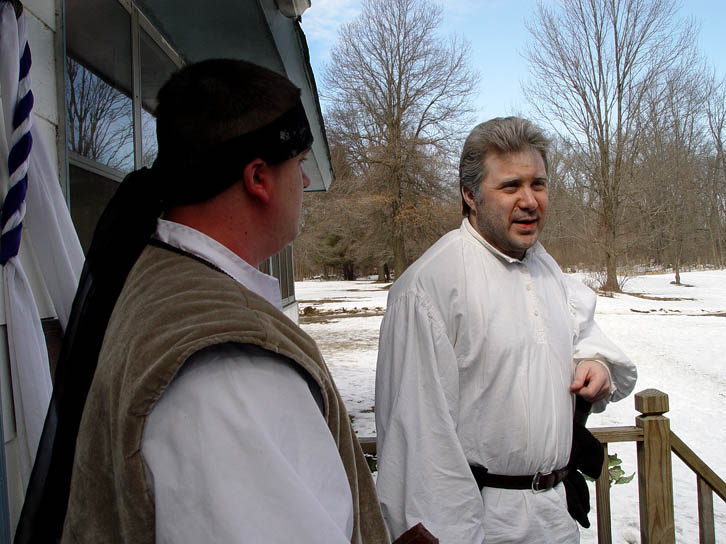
[(398, 96), (570, 230), (716, 115), (591, 62), (99, 118), (342, 231), (672, 159)]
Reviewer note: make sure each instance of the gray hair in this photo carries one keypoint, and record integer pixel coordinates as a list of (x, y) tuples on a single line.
[(503, 135)]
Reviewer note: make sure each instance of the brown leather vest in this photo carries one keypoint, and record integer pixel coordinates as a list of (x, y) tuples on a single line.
[(172, 306)]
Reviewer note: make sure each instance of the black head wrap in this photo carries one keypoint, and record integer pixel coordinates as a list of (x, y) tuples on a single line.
[(122, 232), (219, 166)]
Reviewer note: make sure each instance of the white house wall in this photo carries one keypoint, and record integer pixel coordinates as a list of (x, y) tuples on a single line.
[(41, 23)]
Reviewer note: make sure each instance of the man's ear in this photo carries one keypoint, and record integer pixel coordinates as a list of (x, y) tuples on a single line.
[(468, 197), (257, 180)]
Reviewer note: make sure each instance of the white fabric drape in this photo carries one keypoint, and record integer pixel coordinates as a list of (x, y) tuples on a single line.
[(58, 253)]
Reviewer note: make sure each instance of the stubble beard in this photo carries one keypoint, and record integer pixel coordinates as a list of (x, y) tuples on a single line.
[(503, 237)]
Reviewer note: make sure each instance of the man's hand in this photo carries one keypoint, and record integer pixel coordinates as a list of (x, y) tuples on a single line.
[(592, 381)]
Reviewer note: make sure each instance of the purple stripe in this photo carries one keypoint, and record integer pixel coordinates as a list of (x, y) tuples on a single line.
[(13, 200), (20, 152), (10, 241), (10, 244), (23, 109), (25, 62)]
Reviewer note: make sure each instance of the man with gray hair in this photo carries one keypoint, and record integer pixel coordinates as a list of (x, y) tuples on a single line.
[(483, 350)]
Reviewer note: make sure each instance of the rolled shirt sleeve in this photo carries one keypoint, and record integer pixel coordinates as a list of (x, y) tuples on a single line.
[(591, 343)]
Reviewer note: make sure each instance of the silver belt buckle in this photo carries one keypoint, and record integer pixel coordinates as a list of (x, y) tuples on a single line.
[(535, 482)]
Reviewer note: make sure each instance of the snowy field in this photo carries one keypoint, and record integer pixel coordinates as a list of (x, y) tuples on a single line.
[(679, 346)]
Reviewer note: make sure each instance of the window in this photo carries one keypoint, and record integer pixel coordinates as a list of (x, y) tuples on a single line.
[(110, 94), (99, 114), (156, 67), (116, 62), (99, 119), (281, 266)]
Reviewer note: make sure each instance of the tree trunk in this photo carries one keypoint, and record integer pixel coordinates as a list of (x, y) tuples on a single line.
[(348, 272), (384, 274), (381, 273), (399, 254), (398, 242), (611, 270)]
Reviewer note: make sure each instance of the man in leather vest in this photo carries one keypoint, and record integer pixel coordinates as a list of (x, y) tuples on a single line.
[(188, 408)]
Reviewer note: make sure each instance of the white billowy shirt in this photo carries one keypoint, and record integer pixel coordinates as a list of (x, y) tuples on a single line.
[(236, 449), (477, 352)]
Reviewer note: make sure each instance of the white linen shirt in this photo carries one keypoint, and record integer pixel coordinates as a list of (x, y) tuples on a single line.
[(476, 355), (236, 449)]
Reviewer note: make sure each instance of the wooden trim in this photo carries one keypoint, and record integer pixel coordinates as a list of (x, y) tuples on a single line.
[(706, 531), (655, 481), (695, 463), (602, 499), (368, 444), (651, 402), (607, 435)]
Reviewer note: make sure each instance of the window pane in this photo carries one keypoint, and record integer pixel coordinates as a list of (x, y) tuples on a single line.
[(98, 35), (280, 266), (287, 283), (156, 68), (90, 192), (98, 82), (100, 119)]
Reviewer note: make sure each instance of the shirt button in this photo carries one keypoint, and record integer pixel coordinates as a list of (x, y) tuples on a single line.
[(528, 287), (536, 313)]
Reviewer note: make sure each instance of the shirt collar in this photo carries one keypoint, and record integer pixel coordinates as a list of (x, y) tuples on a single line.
[(200, 245), (468, 229)]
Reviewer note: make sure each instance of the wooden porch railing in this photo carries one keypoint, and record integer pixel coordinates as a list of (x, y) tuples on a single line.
[(654, 442)]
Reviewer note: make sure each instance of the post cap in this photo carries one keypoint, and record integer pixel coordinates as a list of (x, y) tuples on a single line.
[(651, 402)]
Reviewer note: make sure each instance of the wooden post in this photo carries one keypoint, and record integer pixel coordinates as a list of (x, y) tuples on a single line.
[(602, 492), (706, 532), (655, 477)]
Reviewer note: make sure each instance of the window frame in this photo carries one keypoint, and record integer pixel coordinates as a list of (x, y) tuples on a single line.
[(280, 265)]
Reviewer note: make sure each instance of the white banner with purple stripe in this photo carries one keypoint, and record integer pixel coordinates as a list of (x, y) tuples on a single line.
[(41, 215)]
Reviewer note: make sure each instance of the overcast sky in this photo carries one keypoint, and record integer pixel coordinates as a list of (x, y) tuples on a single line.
[(497, 33)]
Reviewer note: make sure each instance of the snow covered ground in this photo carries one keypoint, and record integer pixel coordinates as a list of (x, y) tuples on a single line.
[(679, 346)]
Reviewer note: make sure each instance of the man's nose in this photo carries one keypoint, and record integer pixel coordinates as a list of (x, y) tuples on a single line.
[(306, 180), (527, 200)]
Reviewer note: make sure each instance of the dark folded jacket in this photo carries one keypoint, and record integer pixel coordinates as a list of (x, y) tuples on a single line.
[(586, 457)]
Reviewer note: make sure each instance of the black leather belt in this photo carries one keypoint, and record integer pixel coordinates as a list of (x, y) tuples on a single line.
[(541, 481)]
